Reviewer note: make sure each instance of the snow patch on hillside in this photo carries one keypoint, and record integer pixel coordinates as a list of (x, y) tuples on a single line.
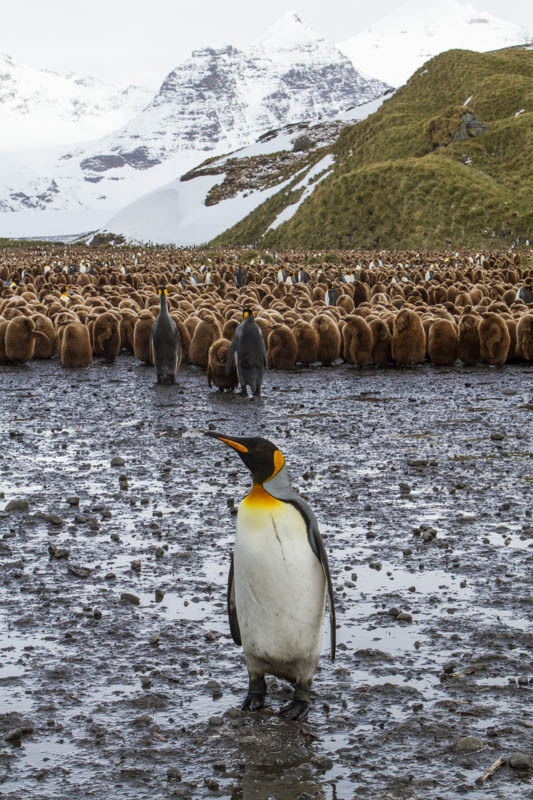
[(321, 166)]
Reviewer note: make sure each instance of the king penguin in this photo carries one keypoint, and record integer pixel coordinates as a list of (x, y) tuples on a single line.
[(249, 347), (278, 580), (165, 342)]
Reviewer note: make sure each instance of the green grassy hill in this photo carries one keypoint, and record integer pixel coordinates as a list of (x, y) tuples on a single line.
[(401, 178)]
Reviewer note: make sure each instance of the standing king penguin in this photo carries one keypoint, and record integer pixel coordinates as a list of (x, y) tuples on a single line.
[(165, 342), (278, 580), (249, 347)]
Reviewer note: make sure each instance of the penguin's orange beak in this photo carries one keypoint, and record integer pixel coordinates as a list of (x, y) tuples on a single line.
[(235, 443)]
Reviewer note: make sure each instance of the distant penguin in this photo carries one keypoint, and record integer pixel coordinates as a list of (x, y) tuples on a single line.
[(358, 341), (206, 332), (142, 333), (3, 327), (106, 336), (216, 367), (332, 295), (329, 338), (282, 348), (278, 580), (20, 339), (442, 343), (381, 350), (248, 346), (307, 342), (75, 350), (229, 328), (408, 338), (165, 342), (361, 293), (45, 346), (525, 293), (240, 277), (494, 339), (524, 337), (468, 345)]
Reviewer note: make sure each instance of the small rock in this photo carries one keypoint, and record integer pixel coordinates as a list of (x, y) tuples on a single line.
[(521, 761), (497, 437), (128, 597), (216, 722), (159, 594), (79, 572), (117, 461), (73, 501), (17, 505), (136, 566), (404, 616), (173, 774), (469, 744), (154, 639), (58, 552)]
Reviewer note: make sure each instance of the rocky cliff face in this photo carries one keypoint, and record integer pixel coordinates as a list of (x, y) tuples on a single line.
[(225, 98), (216, 101)]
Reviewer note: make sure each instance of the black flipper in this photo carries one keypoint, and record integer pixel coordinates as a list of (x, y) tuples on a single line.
[(229, 357), (232, 609)]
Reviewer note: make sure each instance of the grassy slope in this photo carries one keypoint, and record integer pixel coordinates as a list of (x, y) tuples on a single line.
[(390, 188)]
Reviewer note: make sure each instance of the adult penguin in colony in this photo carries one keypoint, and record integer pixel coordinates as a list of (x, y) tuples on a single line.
[(332, 295), (249, 347), (278, 579), (165, 344), (525, 293)]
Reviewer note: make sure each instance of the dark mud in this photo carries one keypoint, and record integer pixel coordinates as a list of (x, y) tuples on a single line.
[(118, 676)]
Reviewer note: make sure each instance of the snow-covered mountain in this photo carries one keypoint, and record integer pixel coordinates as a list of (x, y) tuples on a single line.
[(39, 107), (215, 101), (396, 46), (219, 193)]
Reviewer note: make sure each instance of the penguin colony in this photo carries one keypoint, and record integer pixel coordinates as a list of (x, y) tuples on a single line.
[(165, 307), (170, 307)]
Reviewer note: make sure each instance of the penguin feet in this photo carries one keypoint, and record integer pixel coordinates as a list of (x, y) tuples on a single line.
[(295, 710), (298, 708), (244, 391), (254, 702), (255, 699)]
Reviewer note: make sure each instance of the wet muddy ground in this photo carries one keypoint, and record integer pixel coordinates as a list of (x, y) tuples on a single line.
[(118, 675)]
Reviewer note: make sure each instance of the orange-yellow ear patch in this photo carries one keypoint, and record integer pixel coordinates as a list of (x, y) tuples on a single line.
[(165, 291), (236, 446), (159, 291), (279, 461), (246, 314)]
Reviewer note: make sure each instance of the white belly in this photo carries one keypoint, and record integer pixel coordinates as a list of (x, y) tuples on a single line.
[(279, 590)]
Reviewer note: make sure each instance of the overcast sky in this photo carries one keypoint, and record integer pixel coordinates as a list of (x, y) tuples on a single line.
[(140, 41)]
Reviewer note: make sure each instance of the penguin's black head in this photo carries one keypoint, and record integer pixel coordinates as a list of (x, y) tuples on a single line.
[(162, 290), (262, 457), (247, 313)]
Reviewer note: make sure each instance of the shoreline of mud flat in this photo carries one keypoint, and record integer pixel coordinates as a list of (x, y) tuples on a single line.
[(117, 517)]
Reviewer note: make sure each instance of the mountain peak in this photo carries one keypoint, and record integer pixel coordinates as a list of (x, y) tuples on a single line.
[(287, 32)]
